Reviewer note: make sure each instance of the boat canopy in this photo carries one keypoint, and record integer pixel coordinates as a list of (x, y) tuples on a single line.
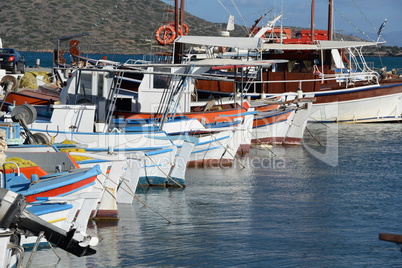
[(320, 45), (219, 41), (257, 43), (324, 44)]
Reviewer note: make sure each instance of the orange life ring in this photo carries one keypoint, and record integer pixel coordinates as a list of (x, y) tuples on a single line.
[(180, 31), (185, 29), (165, 34)]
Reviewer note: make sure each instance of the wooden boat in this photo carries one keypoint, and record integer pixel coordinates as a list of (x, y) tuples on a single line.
[(49, 159), (66, 116), (335, 73)]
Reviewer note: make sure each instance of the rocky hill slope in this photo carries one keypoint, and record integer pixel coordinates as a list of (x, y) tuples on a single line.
[(122, 26), (114, 26)]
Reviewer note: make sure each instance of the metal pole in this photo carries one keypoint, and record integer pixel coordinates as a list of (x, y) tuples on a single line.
[(182, 12), (312, 19), (176, 16), (330, 19)]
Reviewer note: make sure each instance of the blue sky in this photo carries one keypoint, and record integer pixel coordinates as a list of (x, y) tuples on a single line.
[(350, 15)]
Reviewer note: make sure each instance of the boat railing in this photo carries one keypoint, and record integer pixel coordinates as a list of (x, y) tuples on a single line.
[(348, 79), (101, 62), (136, 62)]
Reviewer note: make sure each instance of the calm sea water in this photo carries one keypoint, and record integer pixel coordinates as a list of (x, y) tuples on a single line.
[(308, 206), (46, 59)]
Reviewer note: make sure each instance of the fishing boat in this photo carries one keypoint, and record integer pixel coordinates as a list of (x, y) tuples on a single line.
[(335, 73), (16, 221), (34, 182), (275, 120), (75, 189), (279, 121), (158, 153), (44, 161), (117, 169), (171, 83)]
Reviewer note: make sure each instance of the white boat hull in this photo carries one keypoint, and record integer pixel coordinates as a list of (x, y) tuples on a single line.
[(375, 109)]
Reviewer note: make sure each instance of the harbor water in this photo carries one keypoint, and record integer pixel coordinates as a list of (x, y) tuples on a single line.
[(322, 204), (46, 59)]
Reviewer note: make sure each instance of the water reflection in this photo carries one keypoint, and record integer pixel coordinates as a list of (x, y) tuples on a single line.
[(281, 207)]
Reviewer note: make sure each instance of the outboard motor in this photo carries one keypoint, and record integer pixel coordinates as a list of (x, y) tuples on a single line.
[(13, 215)]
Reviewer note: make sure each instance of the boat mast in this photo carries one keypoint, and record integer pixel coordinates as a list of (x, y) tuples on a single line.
[(330, 19), (178, 24), (181, 19), (312, 20), (176, 16)]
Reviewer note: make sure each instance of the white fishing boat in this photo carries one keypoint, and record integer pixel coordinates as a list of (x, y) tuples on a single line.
[(112, 102), (157, 153), (280, 121), (17, 222)]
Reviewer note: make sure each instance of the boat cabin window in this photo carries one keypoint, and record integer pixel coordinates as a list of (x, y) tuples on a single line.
[(300, 66), (161, 80), (85, 86), (278, 67), (100, 85)]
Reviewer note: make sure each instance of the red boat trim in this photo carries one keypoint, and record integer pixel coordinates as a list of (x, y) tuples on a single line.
[(62, 190)]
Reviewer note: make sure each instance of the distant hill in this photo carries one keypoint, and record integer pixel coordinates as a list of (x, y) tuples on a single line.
[(391, 48), (393, 38), (121, 27), (115, 26)]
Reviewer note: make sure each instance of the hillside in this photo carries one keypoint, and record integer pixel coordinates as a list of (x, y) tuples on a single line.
[(125, 26), (115, 26)]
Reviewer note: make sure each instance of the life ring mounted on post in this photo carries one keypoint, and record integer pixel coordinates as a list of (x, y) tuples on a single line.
[(165, 34), (183, 28)]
